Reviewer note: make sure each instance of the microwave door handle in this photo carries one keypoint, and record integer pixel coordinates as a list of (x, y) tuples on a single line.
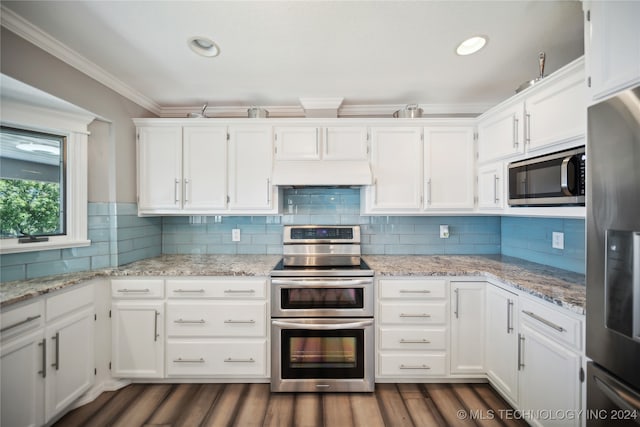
[(322, 326), (564, 176)]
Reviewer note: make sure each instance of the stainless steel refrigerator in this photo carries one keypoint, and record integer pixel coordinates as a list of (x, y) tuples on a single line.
[(613, 261)]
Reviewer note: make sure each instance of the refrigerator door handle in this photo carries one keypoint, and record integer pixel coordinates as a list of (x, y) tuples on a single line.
[(636, 287), (623, 398)]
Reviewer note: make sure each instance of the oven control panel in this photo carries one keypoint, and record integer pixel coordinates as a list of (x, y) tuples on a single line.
[(310, 233)]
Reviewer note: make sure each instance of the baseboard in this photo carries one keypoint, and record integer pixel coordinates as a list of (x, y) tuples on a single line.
[(97, 390)]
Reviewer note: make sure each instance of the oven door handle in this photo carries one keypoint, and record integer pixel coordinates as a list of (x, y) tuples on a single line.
[(323, 326), (331, 282)]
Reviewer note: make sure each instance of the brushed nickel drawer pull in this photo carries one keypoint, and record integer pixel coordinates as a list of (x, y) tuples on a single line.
[(230, 360), (545, 321), (194, 291), (43, 344), (414, 315), (189, 321), (15, 325), (422, 341), (414, 367), (240, 321), (127, 291), (417, 291), (181, 360), (239, 291), (56, 364)]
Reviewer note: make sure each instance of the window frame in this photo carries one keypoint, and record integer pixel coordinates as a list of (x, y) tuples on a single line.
[(73, 126)]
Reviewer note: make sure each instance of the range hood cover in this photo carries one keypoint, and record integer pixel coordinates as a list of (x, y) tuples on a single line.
[(322, 173)]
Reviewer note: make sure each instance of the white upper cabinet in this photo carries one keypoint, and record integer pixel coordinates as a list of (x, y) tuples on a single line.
[(315, 143), (449, 168), (500, 133), (204, 165), (297, 143), (250, 167), (396, 162), (612, 38), (160, 168), (491, 186)]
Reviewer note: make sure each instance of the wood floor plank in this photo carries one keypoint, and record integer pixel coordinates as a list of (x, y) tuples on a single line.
[(421, 410), (144, 406), (365, 409), (448, 405), (498, 404), (80, 416), (280, 410), (201, 405), (477, 408), (392, 407), (307, 410), (178, 398), (226, 406), (254, 406), (116, 405), (336, 410)]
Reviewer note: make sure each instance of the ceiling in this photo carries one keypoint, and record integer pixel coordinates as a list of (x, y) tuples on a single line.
[(381, 54)]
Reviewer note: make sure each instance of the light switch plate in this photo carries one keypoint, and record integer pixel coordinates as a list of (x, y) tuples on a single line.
[(557, 240), (444, 231), (235, 235)]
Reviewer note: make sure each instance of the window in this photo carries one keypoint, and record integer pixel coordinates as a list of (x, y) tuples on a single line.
[(32, 185)]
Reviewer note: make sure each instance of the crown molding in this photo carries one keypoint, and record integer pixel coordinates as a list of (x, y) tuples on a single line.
[(23, 28)]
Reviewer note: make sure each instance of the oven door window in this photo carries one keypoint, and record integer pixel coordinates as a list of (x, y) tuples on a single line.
[(322, 354), (314, 298)]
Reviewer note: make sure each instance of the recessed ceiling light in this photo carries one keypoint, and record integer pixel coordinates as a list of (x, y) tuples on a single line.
[(204, 46), (471, 45), (39, 148)]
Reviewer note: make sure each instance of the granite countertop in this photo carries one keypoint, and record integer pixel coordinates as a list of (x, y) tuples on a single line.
[(561, 287)]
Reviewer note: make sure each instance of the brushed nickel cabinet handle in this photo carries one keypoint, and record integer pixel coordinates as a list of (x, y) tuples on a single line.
[(240, 321), (417, 291), (515, 132), (186, 291), (414, 367), (155, 326), (132, 291), (181, 360), (43, 344), (543, 320), (457, 302), (175, 191), (496, 179), (56, 364), (239, 291), (422, 341), (520, 351), (509, 316), (181, 321), (22, 322), (231, 360), (415, 315)]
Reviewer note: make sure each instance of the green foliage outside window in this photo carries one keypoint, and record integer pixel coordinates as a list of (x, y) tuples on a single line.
[(29, 208)]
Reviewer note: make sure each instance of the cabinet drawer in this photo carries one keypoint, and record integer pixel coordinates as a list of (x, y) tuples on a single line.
[(413, 339), (552, 322), (413, 365), (24, 318), (217, 288), (66, 302), (226, 358), (412, 289), (216, 319), (137, 288), (413, 314)]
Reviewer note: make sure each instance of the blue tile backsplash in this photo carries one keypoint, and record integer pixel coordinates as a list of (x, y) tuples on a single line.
[(119, 236)]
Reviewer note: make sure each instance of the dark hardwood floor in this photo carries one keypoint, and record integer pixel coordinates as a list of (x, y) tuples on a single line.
[(247, 405)]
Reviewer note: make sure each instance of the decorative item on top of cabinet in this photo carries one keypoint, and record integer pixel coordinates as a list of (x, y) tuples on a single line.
[(467, 328), (612, 46)]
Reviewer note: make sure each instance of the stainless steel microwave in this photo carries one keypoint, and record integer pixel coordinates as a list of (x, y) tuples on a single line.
[(549, 180)]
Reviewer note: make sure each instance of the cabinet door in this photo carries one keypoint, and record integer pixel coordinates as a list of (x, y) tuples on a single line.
[(500, 133), (205, 168), (396, 161), (297, 143), (467, 327), (137, 339), (345, 143), (614, 55), (502, 341), (449, 168), (160, 168), (250, 167), (22, 370), (549, 378), (71, 361), (556, 113), (491, 186)]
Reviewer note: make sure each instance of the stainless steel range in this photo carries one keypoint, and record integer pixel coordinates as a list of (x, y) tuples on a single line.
[(322, 301)]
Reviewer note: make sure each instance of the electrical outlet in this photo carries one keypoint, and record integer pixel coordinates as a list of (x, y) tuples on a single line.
[(235, 235), (557, 240), (444, 231)]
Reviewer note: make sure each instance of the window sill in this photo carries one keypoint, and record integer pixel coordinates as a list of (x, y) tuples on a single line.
[(13, 247)]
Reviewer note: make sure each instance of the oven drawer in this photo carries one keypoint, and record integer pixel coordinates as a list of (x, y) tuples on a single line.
[(216, 319), (413, 339), (412, 289), (226, 358), (413, 314), (227, 288), (413, 365)]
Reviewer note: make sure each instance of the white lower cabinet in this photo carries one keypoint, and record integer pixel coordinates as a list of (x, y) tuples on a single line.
[(219, 358), (501, 338), (467, 328), (47, 358)]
